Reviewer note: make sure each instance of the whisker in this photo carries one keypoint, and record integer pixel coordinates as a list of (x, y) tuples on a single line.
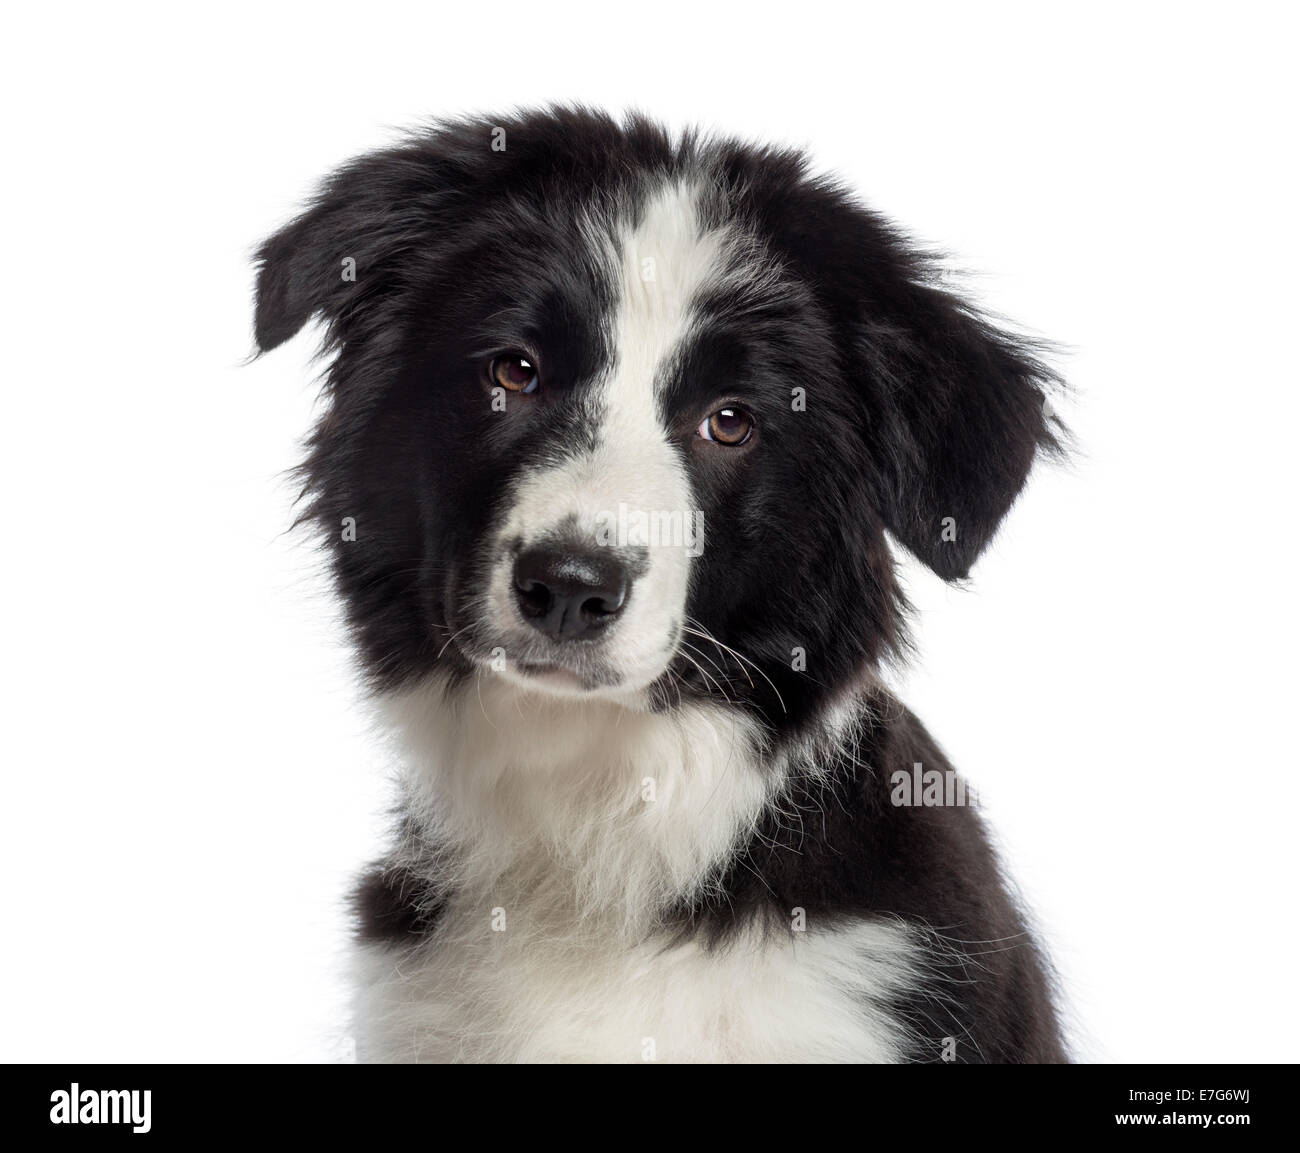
[(706, 635), (707, 678), (706, 657), (452, 638)]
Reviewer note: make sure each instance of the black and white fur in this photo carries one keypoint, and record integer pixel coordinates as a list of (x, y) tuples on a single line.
[(671, 838)]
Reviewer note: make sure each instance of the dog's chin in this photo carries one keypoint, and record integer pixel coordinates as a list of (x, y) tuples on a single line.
[(550, 678)]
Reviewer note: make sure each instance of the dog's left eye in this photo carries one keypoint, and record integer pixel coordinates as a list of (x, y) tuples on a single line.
[(516, 373), (730, 426)]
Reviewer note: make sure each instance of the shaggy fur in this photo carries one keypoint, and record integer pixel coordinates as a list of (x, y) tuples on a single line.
[(671, 834)]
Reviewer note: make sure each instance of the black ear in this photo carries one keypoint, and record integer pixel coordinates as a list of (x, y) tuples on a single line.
[(342, 249), (953, 409), (293, 281), (960, 413)]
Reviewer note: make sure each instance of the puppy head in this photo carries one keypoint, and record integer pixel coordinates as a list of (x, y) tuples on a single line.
[(615, 415)]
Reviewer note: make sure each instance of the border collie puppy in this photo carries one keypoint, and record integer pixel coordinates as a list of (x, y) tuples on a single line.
[(616, 426)]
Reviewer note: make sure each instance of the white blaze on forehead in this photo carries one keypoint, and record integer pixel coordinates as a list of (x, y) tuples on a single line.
[(661, 263), (665, 260)]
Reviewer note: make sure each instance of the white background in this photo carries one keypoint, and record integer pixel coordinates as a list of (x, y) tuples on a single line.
[(188, 780)]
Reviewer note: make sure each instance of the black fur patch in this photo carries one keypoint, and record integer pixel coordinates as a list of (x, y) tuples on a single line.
[(835, 846), (395, 904)]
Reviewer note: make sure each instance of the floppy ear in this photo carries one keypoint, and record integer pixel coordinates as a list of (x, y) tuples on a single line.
[(961, 414), (341, 249), (294, 278), (953, 409)]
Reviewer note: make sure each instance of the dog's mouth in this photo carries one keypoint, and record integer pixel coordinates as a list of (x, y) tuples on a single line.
[(558, 675), (534, 664)]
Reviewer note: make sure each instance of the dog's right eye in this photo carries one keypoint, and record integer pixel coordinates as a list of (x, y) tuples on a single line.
[(514, 372)]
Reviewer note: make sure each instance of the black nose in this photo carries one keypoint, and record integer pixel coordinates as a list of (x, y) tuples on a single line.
[(570, 594)]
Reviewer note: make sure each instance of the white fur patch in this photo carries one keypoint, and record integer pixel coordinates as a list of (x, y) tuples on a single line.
[(585, 810), (567, 830), (511, 997)]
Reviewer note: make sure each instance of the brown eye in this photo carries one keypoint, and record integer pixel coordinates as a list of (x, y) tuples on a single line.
[(517, 373), (730, 426)]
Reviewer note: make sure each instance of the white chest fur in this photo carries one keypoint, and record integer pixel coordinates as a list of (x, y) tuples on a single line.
[(815, 996), (566, 836)]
